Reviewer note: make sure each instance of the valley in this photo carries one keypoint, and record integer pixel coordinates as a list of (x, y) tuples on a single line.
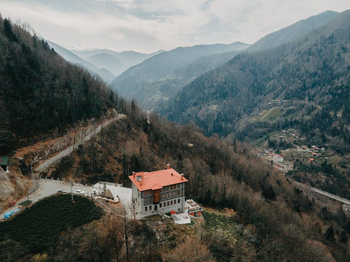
[(215, 152)]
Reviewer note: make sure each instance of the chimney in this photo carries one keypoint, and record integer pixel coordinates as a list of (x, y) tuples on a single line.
[(168, 166), (133, 174), (182, 176)]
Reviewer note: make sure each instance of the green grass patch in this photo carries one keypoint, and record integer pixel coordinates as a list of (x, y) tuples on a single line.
[(272, 114), (38, 228), (267, 115)]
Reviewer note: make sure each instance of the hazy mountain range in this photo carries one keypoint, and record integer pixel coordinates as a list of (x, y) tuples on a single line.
[(115, 62), (106, 63), (157, 79)]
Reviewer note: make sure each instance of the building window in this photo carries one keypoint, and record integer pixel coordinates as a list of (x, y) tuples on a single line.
[(168, 203), (160, 205), (171, 202), (164, 204), (178, 201), (146, 209), (150, 208)]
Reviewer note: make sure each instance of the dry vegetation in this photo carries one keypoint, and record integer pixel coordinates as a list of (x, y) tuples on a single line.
[(273, 220)]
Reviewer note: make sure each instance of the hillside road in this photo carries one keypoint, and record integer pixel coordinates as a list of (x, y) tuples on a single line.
[(43, 166), (324, 193)]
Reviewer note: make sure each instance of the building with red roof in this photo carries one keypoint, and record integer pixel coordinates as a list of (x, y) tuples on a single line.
[(155, 192)]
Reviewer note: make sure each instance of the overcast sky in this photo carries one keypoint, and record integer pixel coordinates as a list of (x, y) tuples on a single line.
[(151, 25)]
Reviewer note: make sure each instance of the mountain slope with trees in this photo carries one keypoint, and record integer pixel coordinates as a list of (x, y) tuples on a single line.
[(291, 33), (104, 73), (39, 91), (313, 71), (274, 219), (157, 79)]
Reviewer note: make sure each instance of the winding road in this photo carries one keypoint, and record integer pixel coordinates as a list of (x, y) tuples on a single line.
[(69, 150)]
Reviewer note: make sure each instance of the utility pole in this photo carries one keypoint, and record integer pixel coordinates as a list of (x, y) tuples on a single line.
[(31, 168), (71, 190), (126, 236)]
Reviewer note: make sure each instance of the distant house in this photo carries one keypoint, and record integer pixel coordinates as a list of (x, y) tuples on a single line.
[(304, 147), (155, 192), (278, 167), (278, 158)]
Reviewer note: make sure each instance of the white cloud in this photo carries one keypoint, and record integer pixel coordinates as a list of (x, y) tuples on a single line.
[(150, 25)]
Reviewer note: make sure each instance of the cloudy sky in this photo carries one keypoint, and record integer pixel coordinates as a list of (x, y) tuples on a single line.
[(151, 25)]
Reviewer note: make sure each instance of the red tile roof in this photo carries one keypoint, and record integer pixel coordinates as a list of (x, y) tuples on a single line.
[(157, 179)]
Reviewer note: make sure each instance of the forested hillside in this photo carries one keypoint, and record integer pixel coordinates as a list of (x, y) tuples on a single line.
[(160, 77), (106, 75), (312, 74), (270, 218), (274, 220), (39, 91)]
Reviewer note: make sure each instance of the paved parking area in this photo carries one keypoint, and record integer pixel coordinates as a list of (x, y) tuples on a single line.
[(124, 194), (49, 187)]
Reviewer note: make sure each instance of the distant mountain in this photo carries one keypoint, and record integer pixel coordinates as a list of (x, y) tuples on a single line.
[(291, 33), (311, 73), (159, 78), (115, 62), (106, 75), (72, 58), (105, 60)]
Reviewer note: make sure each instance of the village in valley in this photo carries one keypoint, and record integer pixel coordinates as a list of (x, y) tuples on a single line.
[(315, 165), (283, 160)]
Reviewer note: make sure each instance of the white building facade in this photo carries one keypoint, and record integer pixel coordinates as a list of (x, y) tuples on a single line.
[(157, 192)]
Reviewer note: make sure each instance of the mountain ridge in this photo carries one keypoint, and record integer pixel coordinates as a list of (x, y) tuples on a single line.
[(260, 73), (292, 32), (160, 77)]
